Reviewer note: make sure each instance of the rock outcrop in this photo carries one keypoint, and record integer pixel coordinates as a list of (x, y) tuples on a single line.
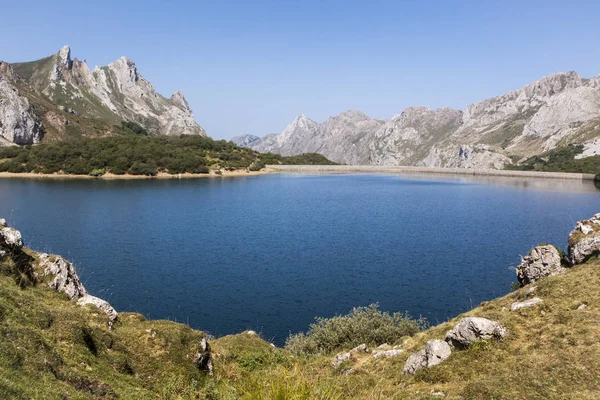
[(103, 305), (434, 353), (64, 278), (10, 239), (560, 108), (471, 329), (542, 261), (525, 304), (584, 240), (19, 124), (112, 93)]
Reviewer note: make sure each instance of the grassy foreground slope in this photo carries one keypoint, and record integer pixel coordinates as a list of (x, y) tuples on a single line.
[(134, 153), (51, 348), (553, 352)]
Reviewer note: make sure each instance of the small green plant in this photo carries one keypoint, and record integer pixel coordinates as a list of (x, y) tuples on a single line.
[(98, 172), (367, 325), (515, 286)]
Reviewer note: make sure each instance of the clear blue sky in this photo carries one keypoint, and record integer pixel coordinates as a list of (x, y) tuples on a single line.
[(253, 66)]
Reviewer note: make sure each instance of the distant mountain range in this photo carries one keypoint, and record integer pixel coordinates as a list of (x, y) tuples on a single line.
[(58, 97), (557, 110)]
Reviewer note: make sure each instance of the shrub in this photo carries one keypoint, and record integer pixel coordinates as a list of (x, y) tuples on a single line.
[(98, 172), (597, 178), (366, 325), (140, 168)]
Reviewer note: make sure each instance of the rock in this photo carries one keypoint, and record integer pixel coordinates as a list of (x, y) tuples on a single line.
[(525, 304), (246, 140), (471, 329), (2, 254), (348, 371), (557, 107), (530, 291), (360, 349), (434, 353), (2, 222), (101, 304), (384, 346), (415, 362), (10, 239), (65, 278), (584, 240), (251, 333), (582, 306), (19, 124), (438, 394), (387, 353), (340, 358), (203, 359), (542, 261)]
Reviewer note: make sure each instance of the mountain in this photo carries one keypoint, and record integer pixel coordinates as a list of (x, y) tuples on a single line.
[(557, 110), (58, 96), (245, 140)]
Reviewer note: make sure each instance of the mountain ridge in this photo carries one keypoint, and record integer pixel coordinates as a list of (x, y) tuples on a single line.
[(556, 110), (61, 91)]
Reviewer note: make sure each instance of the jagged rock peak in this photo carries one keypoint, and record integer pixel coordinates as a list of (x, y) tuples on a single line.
[(126, 68), (179, 100), (354, 115), (6, 70), (64, 57)]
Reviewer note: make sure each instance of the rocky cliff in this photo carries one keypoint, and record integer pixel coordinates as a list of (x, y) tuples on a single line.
[(559, 109), (68, 97)]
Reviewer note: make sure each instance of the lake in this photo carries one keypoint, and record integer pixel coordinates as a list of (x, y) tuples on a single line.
[(272, 252)]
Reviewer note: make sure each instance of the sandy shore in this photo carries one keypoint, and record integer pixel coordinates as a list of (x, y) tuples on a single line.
[(375, 169), (161, 175)]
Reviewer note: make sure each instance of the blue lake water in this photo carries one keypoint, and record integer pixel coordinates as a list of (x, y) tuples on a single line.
[(270, 253)]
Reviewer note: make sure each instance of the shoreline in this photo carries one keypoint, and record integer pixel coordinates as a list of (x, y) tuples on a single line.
[(376, 169), (160, 175)]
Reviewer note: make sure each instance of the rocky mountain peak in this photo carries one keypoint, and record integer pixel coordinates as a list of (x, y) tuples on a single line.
[(6, 70), (64, 57), (179, 100)]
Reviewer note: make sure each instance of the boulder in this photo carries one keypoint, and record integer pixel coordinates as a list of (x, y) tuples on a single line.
[(525, 304), (203, 358), (2, 222), (101, 304), (471, 329), (542, 261), (10, 239), (387, 353), (584, 240), (340, 358), (415, 362), (434, 353), (65, 278), (360, 349)]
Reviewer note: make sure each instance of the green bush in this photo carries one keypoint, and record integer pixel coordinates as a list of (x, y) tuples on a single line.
[(597, 178), (98, 172), (367, 325)]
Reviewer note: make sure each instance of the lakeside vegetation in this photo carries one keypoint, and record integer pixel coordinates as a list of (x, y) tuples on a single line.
[(136, 153), (52, 348), (561, 159)]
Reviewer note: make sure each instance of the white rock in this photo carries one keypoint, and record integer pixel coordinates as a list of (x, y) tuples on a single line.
[(101, 304), (525, 304), (65, 278), (387, 353), (360, 349), (582, 248), (340, 358), (471, 329), (10, 239), (542, 261), (2, 222), (251, 333)]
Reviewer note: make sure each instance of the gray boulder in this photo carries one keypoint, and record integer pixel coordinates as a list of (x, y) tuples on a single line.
[(387, 353), (340, 358), (584, 240), (10, 239), (101, 304), (542, 261), (415, 362), (434, 353), (471, 329), (65, 278), (203, 358), (525, 304)]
